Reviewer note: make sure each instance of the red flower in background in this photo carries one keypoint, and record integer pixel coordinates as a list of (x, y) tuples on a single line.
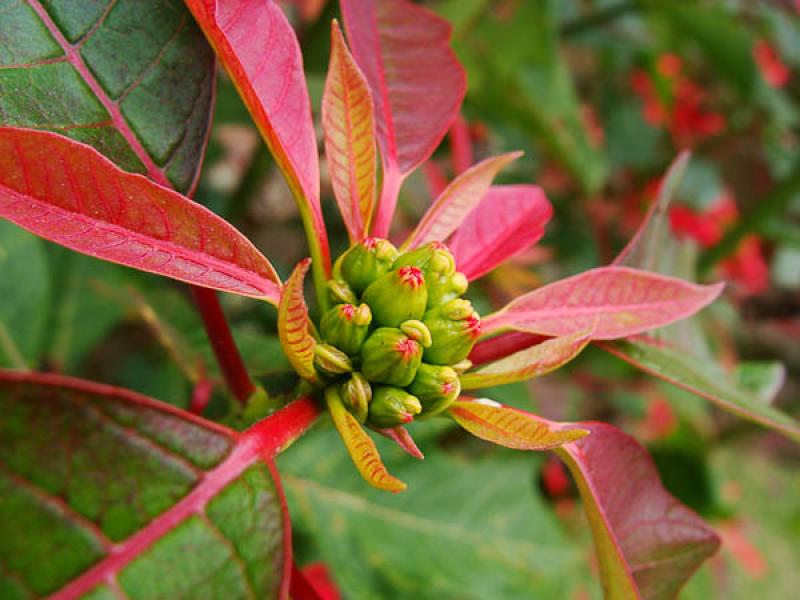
[(769, 62), (747, 267), (674, 102)]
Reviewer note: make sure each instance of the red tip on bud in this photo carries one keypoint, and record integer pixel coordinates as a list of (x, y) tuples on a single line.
[(447, 387), (370, 243), (411, 276), (347, 311), (407, 348), (474, 325)]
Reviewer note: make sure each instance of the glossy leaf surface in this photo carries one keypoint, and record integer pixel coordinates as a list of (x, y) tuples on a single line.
[(509, 219), (362, 449), (533, 362), (294, 324), (614, 301), (704, 378), (68, 193), (347, 118), (648, 544), (135, 497), (457, 201), (510, 427), (143, 98)]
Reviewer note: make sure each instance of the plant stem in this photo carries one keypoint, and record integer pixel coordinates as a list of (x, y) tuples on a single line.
[(221, 338), (756, 219)]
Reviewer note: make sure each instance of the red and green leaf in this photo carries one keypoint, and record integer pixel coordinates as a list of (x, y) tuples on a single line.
[(117, 93), (509, 219), (648, 544), (260, 51), (457, 201), (135, 497), (294, 326), (535, 361), (510, 427), (416, 81), (615, 301), (704, 378), (69, 193), (362, 449), (347, 118)]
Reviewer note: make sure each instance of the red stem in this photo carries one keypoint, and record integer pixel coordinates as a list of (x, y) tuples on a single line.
[(221, 338), (300, 587)]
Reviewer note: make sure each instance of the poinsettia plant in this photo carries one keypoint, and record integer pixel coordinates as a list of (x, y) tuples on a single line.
[(129, 496)]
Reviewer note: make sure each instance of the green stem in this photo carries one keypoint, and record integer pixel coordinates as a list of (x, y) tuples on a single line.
[(320, 260), (755, 220)]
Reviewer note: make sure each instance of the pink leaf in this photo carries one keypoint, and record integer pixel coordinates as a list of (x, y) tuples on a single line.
[(417, 84), (260, 51), (648, 544), (615, 301), (400, 436), (349, 138), (508, 220), (69, 193), (535, 361), (500, 346), (460, 144), (457, 201)]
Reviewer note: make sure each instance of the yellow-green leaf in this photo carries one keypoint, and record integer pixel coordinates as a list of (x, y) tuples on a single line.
[(532, 362), (349, 125), (510, 427), (294, 325), (361, 447)]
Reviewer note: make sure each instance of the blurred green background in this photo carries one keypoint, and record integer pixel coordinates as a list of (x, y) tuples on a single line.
[(601, 95)]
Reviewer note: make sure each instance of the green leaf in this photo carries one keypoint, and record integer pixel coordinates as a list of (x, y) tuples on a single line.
[(24, 296), (103, 492), (468, 527), (761, 379), (704, 378), (133, 78)]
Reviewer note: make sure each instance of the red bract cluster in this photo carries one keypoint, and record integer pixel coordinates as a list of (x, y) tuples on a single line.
[(674, 102), (773, 69)]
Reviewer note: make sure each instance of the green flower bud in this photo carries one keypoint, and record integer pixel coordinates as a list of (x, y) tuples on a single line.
[(417, 331), (443, 288), (365, 262), (433, 257), (437, 387), (463, 366), (340, 292), (391, 407), (454, 328), (331, 361), (397, 296), (356, 396), (346, 326), (390, 356)]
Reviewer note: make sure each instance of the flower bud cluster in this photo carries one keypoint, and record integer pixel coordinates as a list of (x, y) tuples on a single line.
[(398, 334)]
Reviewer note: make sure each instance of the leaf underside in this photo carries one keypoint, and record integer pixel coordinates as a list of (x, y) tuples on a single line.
[(124, 495)]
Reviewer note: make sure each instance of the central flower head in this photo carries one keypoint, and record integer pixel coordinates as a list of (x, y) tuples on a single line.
[(399, 321)]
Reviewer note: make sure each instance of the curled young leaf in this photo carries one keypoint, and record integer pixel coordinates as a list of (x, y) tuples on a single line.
[(615, 301), (533, 362), (294, 325), (361, 447), (510, 427), (349, 127), (69, 193)]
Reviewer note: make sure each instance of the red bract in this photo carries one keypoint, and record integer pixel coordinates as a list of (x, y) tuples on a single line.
[(769, 62)]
